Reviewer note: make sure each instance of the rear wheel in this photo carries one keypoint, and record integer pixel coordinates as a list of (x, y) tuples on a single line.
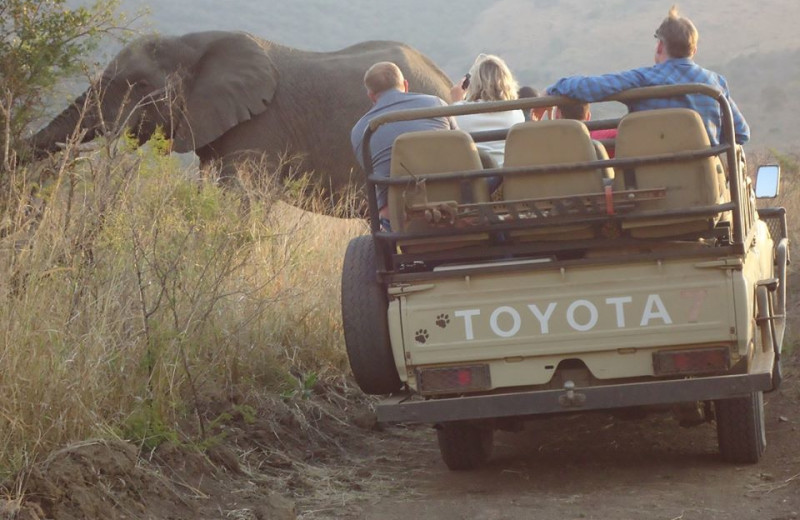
[(740, 428), (464, 446), (364, 317)]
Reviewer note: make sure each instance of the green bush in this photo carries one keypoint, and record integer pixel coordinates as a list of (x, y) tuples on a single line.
[(41, 43)]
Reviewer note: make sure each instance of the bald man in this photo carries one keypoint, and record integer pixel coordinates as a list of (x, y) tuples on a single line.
[(388, 91)]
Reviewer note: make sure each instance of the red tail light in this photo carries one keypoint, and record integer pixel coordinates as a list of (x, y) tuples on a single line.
[(449, 380), (694, 361)]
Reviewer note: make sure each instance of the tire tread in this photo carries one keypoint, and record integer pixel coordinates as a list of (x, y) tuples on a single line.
[(740, 428), (464, 446), (365, 321)]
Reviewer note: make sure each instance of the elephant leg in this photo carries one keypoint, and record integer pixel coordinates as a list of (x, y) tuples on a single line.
[(243, 168)]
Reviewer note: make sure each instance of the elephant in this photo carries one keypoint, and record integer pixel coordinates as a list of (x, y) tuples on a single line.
[(230, 96)]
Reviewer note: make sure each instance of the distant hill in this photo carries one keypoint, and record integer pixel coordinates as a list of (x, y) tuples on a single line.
[(755, 44)]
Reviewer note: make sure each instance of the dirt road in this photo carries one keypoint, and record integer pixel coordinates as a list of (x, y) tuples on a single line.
[(319, 458), (599, 467)]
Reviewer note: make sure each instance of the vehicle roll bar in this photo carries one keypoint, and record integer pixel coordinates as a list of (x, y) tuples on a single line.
[(727, 145)]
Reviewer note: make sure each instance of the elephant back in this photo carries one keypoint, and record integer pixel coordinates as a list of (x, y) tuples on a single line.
[(422, 73)]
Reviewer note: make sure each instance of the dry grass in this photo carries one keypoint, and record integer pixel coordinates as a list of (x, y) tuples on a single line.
[(131, 289)]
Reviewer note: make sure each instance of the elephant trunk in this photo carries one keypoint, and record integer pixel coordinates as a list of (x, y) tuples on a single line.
[(79, 115)]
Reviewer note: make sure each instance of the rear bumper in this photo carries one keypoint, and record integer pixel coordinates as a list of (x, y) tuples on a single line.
[(413, 409)]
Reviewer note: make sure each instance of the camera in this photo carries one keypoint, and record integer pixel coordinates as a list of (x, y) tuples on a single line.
[(465, 83)]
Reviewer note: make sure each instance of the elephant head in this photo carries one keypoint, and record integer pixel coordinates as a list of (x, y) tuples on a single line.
[(196, 87)]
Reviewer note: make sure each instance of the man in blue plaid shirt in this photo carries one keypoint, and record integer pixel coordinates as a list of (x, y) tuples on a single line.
[(677, 44)]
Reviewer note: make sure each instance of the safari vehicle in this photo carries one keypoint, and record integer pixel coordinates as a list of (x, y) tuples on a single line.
[(650, 280)]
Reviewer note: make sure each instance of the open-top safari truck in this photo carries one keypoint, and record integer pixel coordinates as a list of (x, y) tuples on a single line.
[(647, 280)]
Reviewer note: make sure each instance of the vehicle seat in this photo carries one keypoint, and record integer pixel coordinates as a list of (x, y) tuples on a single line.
[(559, 141), (430, 152), (689, 184)]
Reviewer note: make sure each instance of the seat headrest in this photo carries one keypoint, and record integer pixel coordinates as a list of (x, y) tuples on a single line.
[(652, 132), (434, 151), (548, 142)]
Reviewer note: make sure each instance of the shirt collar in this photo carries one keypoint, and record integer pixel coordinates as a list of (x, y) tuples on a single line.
[(389, 97), (679, 61)]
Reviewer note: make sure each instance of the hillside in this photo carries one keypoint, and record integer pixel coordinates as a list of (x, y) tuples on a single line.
[(542, 40)]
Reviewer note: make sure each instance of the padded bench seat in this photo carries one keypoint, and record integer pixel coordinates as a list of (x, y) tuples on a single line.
[(431, 152), (689, 184), (540, 143)]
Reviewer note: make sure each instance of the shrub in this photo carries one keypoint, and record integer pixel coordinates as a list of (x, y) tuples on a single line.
[(42, 42), (135, 292)]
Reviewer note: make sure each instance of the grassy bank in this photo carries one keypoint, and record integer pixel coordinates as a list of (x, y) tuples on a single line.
[(131, 291)]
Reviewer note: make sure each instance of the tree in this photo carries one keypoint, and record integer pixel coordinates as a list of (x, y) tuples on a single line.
[(42, 42)]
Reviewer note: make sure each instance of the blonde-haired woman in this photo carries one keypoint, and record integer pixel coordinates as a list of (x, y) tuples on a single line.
[(489, 79)]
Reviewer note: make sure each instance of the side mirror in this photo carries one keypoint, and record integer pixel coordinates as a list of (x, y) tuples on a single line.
[(768, 180)]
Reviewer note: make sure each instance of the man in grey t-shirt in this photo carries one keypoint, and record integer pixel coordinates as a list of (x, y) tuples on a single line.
[(388, 90)]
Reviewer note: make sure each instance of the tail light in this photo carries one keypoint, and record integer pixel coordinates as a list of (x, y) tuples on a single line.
[(694, 361), (449, 380)]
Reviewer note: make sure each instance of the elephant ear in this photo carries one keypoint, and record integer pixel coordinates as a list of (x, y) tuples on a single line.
[(233, 81)]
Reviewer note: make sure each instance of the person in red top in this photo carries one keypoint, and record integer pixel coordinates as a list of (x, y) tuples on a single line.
[(581, 112)]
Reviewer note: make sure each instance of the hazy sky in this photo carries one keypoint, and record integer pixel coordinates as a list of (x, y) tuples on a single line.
[(542, 38)]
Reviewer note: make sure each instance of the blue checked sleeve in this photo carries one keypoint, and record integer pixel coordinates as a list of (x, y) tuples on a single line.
[(595, 88), (740, 127)]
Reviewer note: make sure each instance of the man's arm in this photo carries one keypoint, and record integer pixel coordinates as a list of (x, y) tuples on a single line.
[(595, 88), (741, 129), (356, 140), (449, 120)]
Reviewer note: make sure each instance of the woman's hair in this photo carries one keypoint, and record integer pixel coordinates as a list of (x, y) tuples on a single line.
[(490, 80)]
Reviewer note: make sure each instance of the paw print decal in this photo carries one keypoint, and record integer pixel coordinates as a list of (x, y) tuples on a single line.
[(421, 336), (442, 320)]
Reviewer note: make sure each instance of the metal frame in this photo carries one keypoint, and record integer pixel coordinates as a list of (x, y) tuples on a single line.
[(386, 241), (775, 217), (403, 408), (471, 254)]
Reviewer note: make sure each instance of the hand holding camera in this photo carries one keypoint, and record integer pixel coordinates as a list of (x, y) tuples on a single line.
[(459, 89)]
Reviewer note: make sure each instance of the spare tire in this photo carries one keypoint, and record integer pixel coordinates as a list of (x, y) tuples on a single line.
[(365, 321)]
